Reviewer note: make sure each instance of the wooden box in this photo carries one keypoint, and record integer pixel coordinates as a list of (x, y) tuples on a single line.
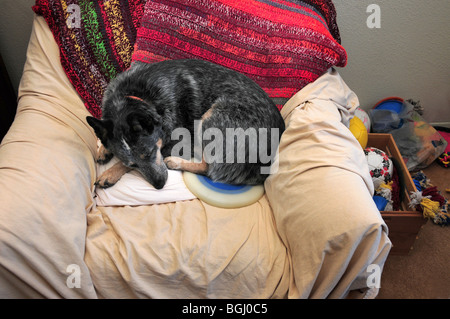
[(405, 224)]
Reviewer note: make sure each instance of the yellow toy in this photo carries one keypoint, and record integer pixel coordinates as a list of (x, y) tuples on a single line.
[(359, 130)]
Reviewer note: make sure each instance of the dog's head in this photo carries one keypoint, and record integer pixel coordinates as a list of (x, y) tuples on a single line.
[(134, 136)]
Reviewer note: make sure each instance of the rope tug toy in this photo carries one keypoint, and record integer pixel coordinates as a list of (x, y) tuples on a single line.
[(429, 201), (444, 160)]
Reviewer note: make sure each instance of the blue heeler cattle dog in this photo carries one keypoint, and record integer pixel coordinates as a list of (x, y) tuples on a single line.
[(143, 105)]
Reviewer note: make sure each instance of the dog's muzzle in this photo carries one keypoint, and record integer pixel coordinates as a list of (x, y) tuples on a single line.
[(155, 174)]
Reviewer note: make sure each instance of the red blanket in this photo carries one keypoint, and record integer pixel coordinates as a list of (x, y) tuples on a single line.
[(282, 45)]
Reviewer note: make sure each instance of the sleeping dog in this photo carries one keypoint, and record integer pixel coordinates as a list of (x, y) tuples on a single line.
[(143, 107)]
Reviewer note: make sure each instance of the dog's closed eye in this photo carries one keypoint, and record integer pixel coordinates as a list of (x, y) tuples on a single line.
[(137, 127)]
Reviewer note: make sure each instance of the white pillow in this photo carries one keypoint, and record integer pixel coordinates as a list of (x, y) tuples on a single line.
[(133, 190)]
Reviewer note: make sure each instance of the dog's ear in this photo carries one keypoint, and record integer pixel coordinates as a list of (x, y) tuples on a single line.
[(139, 123), (102, 128)]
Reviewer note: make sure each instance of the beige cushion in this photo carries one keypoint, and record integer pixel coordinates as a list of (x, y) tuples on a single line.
[(321, 194)]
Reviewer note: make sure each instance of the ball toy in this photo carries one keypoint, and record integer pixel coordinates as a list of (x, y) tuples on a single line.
[(364, 117), (380, 166), (381, 202), (359, 131)]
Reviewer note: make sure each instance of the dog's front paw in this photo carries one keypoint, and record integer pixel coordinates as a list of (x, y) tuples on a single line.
[(173, 162), (106, 180), (112, 175)]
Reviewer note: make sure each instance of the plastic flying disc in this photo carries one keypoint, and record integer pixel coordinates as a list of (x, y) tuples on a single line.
[(394, 104), (220, 194)]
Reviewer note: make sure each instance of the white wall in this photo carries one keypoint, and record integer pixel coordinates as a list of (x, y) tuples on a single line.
[(409, 56)]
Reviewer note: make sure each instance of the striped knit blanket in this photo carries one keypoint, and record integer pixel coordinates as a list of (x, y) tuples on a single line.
[(95, 39), (281, 44)]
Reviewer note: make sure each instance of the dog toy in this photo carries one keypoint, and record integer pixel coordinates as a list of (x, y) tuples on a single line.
[(380, 166), (429, 201), (364, 117), (390, 193), (380, 202), (385, 191), (220, 194), (444, 160), (359, 131)]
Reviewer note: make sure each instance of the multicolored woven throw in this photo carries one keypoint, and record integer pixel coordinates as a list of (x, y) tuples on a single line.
[(96, 41), (281, 44)]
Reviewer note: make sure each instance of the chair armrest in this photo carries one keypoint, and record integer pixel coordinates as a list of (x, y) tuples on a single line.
[(321, 196), (47, 170)]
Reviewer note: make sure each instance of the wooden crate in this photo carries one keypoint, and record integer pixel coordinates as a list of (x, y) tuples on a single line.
[(405, 224)]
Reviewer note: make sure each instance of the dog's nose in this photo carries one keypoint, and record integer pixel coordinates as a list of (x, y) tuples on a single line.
[(154, 174), (159, 180), (159, 184)]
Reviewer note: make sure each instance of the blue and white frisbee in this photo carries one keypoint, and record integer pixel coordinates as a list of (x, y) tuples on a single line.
[(220, 194)]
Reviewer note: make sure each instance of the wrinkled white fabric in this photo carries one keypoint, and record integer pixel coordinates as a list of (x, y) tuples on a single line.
[(133, 190)]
